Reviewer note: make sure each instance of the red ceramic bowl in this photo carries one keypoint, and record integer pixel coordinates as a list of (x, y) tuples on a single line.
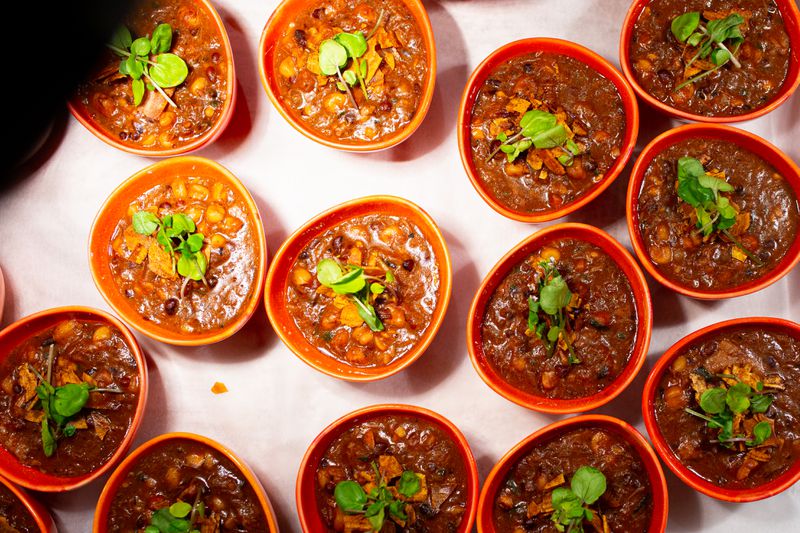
[(305, 495), (644, 312), (497, 476), (791, 17), (130, 462), (116, 207), (38, 511), (556, 46), (19, 331), (278, 278), (776, 486), (82, 114), (748, 141), (280, 19)]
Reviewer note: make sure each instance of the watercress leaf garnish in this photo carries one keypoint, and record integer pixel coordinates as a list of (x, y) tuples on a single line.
[(138, 91), (121, 38), (684, 25), (332, 57), (759, 403), (145, 222), (134, 67), (350, 283), (182, 223), (536, 121), (761, 432), (141, 47), (409, 484), (161, 40), (169, 70), (553, 333), (397, 509), (349, 496), (738, 397), (588, 484), (715, 184), (48, 440), (354, 43), (328, 272), (180, 509), (350, 77), (195, 242), (69, 430), (551, 137), (720, 57), (554, 296), (368, 315), (713, 400), (376, 515), (376, 288), (69, 399)]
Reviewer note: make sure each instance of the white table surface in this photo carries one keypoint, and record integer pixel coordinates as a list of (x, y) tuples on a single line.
[(277, 404)]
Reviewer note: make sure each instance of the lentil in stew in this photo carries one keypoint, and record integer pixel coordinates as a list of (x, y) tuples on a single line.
[(661, 63), (746, 356), (586, 104)]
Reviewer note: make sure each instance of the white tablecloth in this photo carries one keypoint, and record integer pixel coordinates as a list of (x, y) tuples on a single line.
[(276, 404)]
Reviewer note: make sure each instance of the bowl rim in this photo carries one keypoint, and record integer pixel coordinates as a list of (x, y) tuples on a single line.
[(117, 477), (52, 483), (648, 457), (326, 220), (268, 36), (787, 9), (37, 510), (78, 110), (97, 259), (337, 427), (747, 141), (644, 311), (561, 47), (766, 490)]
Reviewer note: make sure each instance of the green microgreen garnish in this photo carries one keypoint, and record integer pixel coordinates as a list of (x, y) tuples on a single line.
[(539, 129), (570, 504), (176, 234), (352, 281), (721, 405), (714, 211), (149, 58), (547, 316), (352, 499), (710, 40), (60, 404), (176, 518)]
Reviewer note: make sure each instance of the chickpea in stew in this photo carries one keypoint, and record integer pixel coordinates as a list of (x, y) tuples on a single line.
[(352, 70), (68, 397), (409, 465)]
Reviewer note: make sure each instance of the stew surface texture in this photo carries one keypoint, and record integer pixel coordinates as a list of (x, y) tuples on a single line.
[(145, 272), (390, 249), (392, 444), (85, 354), (388, 76), (749, 356), (523, 504), (155, 123), (182, 470), (662, 64), (14, 516), (766, 223), (584, 102), (600, 323)]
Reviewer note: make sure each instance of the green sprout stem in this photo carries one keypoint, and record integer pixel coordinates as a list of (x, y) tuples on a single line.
[(750, 255), (704, 417), (146, 75), (346, 88), (377, 25), (510, 140)]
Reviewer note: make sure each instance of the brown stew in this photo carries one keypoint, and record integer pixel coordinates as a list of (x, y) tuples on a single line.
[(744, 355), (389, 249), (385, 94), (585, 103), (766, 224), (14, 516), (600, 323), (393, 444), (524, 502), (150, 277), (221, 498), (199, 100), (662, 64), (78, 353)]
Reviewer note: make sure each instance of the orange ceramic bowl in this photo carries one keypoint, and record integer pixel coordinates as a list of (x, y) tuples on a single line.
[(776, 486), (280, 19), (644, 312), (494, 482), (38, 511), (115, 209), (130, 462), (82, 114), (305, 490), (747, 141), (791, 17), (31, 478), (278, 279), (554, 46)]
